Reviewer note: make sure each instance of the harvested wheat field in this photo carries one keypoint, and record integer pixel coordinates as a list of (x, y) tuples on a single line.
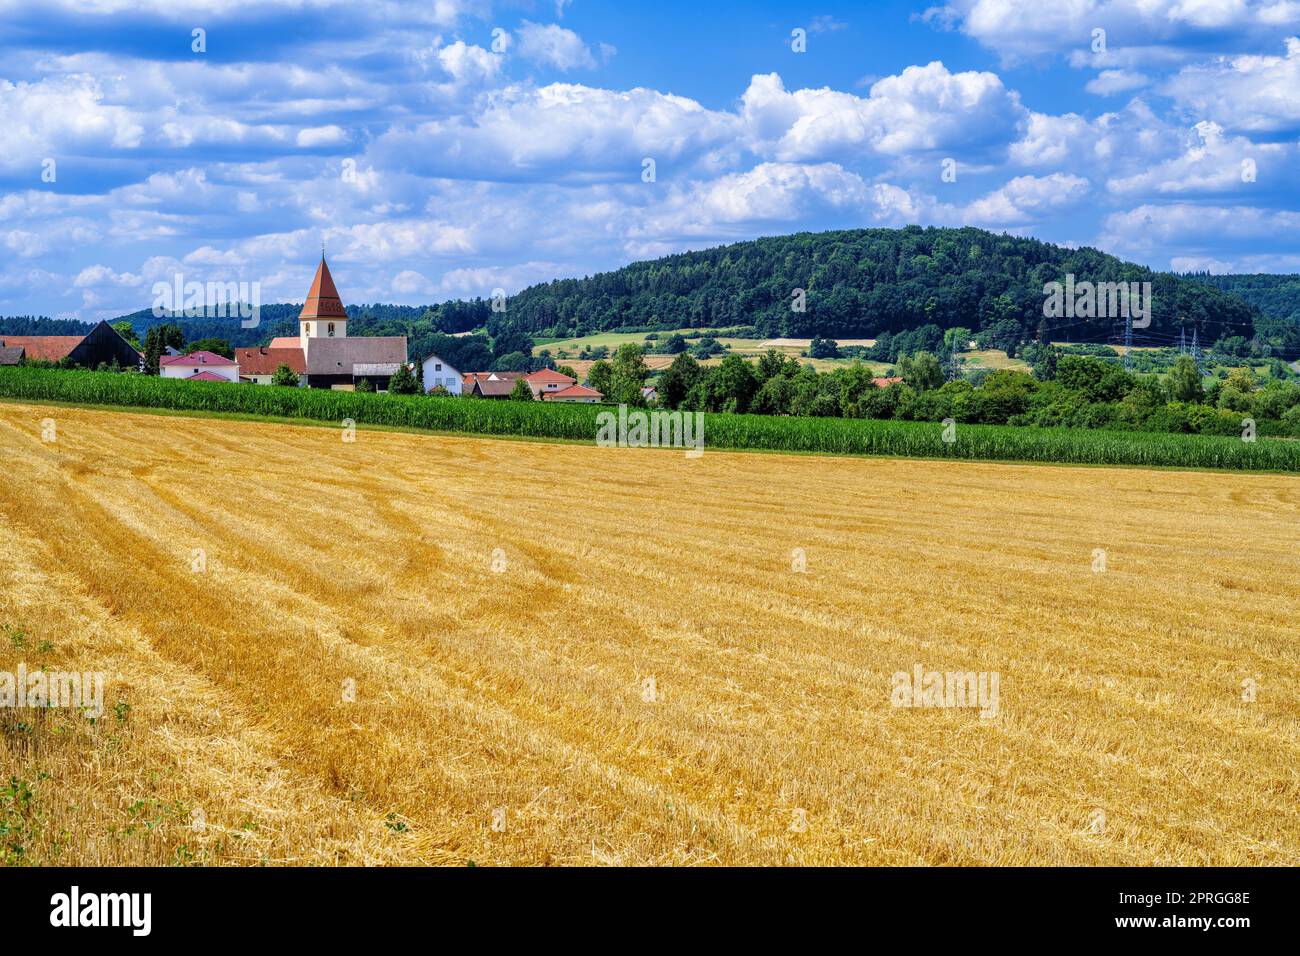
[(353, 673)]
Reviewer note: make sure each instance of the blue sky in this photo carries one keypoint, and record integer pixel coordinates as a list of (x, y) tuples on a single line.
[(451, 147)]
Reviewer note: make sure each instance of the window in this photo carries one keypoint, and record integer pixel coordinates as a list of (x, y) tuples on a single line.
[(331, 330), (306, 327), (437, 366)]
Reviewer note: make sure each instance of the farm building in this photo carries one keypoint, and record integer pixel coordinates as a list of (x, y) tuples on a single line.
[(437, 372), (100, 346), (258, 365), (341, 363), (200, 366)]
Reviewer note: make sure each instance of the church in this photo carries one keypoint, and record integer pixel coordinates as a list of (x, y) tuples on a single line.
[(322, 353)]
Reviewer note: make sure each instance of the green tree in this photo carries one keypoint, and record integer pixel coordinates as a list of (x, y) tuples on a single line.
[(127, 331), (732, 386), (675, 344), (403, 381), (364, 386), (1185, 381), (214, 345), (957, 339), (521, 392), (157, 340), (628, 375), (285, 376), (676, 381), (601, 377), (923, 372)]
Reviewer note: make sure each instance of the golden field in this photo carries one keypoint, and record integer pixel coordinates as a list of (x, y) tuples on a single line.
[(506, 716)]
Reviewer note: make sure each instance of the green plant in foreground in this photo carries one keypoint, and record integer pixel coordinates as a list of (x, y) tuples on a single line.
[(573, 422)]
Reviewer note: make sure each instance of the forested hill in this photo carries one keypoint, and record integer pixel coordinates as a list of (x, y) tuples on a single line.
[(863, 282), (1276, 296)]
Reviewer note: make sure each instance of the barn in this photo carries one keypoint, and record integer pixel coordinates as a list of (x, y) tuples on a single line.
[(100, 346)]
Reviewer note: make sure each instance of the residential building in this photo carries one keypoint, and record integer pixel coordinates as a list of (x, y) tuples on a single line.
[(574, 393), (547, 380), (437, 372), (201, 366), (489, 384), (258, 365)]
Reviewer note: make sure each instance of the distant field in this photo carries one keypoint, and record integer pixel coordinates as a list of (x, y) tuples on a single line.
[(993, 359), (746, 348), (384, 659)]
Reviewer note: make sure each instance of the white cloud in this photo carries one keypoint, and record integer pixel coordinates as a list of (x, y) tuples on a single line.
[(1110, 82), (100, 274), (1025, 199), (923, 108), (1019, 29), (1255, 94), (58, 117), (560, 131), (552, 45), (321, 136)]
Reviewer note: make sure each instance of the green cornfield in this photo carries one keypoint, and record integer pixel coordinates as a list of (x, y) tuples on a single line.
[(835, 436)]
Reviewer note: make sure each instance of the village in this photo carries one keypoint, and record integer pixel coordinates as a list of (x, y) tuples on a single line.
[(322, 355)]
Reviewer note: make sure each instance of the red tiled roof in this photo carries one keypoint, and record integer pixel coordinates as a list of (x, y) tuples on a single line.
[(205, 377), (264, 361), (200, 357), (45, 348), (547, 375), (323, 300), (573, 391), (285, 342), (885, 382)]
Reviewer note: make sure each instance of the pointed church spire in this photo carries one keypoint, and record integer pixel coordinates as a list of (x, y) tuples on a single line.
[(323, 300)]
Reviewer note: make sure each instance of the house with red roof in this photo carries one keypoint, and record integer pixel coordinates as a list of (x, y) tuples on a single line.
[(258, 365), (200, 366), (574, 393), (547, 381)]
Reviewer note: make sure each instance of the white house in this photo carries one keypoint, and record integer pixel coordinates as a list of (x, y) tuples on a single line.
[(201, 366), (437, 372)]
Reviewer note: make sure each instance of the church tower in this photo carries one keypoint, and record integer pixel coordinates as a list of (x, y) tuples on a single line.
[(323, 315)]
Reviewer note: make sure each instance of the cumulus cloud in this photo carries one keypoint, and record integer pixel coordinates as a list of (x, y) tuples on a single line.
[(60, 116), (1020, 29), (923, 108), (559, 131), (1025, 199), (1255, 94), (553, 45)]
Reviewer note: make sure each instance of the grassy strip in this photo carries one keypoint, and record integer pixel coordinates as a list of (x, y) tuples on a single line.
[(578, 423)]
